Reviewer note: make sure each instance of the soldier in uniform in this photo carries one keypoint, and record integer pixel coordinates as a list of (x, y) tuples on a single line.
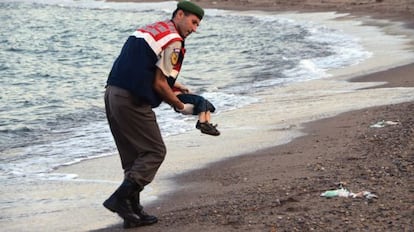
[(141, 77)]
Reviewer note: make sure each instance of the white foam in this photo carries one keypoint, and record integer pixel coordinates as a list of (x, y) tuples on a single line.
[(306, 70)]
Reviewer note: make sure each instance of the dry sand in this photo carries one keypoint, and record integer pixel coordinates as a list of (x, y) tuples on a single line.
[(277, 189), (388, 8)]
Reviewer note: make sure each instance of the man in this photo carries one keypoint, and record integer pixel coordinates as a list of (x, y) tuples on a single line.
[(141, 78)]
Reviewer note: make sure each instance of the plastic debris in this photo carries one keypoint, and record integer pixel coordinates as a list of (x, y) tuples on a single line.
[(365, 194), (383, 123), (336, 193), (343, 192)]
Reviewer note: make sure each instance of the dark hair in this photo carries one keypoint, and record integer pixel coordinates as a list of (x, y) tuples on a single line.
[(186, 13), (174, 13)]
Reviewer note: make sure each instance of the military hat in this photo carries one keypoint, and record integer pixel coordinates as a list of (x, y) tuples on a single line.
[(191, 8)]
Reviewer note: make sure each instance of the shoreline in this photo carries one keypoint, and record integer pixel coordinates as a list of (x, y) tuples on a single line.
[(391, 9), (202, 200), (278, 188)]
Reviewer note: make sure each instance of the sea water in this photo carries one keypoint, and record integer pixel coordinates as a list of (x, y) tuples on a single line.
[(55, 57)]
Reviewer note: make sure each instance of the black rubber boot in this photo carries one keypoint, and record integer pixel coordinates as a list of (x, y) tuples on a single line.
[(146, 219), (119, 202)]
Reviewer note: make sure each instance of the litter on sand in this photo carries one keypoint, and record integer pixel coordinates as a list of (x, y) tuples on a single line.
[(343, 192), (383, 123)]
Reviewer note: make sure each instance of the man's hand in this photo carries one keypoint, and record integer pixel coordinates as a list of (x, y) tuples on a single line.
[(187, 110), (182, 87)]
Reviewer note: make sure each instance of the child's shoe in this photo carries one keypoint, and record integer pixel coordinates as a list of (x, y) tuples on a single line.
[(207, 128)]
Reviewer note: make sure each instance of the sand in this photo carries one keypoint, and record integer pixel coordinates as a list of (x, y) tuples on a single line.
[(277, 187)]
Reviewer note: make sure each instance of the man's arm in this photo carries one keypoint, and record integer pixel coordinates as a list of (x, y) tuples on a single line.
[(164, 90)]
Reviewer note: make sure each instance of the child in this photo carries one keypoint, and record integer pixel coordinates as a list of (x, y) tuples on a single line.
[(202, 107)]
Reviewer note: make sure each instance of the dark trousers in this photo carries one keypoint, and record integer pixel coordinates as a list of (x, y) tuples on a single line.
[(200, 103), (136, 133)]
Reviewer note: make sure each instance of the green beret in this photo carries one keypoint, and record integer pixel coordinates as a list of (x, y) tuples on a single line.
[(191, 8)]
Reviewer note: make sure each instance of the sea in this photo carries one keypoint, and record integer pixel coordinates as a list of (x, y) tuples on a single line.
[(55, 56)]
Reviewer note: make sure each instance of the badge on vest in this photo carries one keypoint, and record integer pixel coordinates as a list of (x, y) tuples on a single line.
[(174, 56)]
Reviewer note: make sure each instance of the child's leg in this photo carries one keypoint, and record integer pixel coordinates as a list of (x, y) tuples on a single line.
[(205, 126), (202, 108), (202, 117), (207, 116)]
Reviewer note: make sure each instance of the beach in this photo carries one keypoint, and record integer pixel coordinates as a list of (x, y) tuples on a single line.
[(357, 133), (278, 188)]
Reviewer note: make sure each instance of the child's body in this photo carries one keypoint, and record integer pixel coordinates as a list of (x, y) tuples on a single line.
[(202, 107)]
